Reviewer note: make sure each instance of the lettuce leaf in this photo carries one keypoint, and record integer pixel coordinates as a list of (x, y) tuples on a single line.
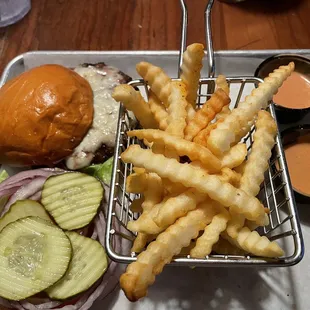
[(3, 175), (101, 171)]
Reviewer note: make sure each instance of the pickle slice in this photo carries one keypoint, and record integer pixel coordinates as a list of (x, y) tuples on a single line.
[(88, 264), (21, 209), (34, 254), (72, 199)]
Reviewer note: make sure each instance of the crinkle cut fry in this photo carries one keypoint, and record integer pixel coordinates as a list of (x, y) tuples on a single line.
[(230, 176), (221, 82), (247, 240), (181, 146), (172, 188), (203, 135), (240, 169), (251, 224), (152, 196), (206, 113), (225, 175), (235, 224), (145, 222), (166, 212), (177, 109), (178, 206), (235, 156), (136, 182), (252, 242), (186, 250), (222, 114), (244, 130), (133, 101), (159, 148), (157, 79), (257, 163), (158, 110), (226, 132), (139, 242), (191, 67), (191, 112), (154, 191), (211, 235), (258, 245), (211, 185), (141, 274)]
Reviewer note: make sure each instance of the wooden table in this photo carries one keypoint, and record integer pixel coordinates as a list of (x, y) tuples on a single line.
[(155, 25)]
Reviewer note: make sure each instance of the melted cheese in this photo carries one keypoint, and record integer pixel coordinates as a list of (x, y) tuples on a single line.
[(106, 109)]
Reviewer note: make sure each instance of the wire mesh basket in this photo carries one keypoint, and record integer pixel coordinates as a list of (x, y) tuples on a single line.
[(276, 191)]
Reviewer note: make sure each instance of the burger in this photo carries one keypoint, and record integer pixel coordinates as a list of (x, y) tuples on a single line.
[(54, 116)]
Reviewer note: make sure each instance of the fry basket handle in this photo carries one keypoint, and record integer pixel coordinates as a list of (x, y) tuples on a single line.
[(209, 44), (210, 51), (183, 33)]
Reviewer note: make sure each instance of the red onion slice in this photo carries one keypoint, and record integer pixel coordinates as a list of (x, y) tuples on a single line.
[(12, 190), (16, 305), (23, 177), (11, 184), (30, 187), (47, 305), (27, 305), (94, 235), (5, 303), (25, 192), (36, 196)]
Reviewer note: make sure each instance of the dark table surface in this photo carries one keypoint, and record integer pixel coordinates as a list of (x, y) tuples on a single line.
[(155, 25)]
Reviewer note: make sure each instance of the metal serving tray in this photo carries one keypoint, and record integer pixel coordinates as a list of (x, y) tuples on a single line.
[(230, 63), (286, 289), (226, 62)]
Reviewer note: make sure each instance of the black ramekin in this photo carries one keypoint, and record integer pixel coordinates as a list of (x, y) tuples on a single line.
[(302, 65)]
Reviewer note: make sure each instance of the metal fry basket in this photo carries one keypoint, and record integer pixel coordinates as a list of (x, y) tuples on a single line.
[(276, 191)]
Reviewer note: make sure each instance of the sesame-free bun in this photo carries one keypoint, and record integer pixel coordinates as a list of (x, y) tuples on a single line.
[(44, 114)]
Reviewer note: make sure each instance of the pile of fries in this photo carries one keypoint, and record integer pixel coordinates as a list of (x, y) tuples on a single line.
[(196, 180)]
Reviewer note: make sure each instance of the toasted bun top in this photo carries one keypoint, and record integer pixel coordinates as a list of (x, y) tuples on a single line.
[(45, 113)]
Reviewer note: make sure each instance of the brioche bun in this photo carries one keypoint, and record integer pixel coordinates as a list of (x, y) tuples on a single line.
[(45, 113)]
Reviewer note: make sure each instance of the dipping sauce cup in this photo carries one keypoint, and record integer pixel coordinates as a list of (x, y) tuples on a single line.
[(292, 102), (296, 143), (292, 105)]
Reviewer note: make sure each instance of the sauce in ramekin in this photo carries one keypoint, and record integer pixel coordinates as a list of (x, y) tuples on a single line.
[(297, 157), (295, 92)]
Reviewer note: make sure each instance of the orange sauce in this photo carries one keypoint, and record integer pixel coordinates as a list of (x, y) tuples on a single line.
[(295, 92), (297, 157)]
